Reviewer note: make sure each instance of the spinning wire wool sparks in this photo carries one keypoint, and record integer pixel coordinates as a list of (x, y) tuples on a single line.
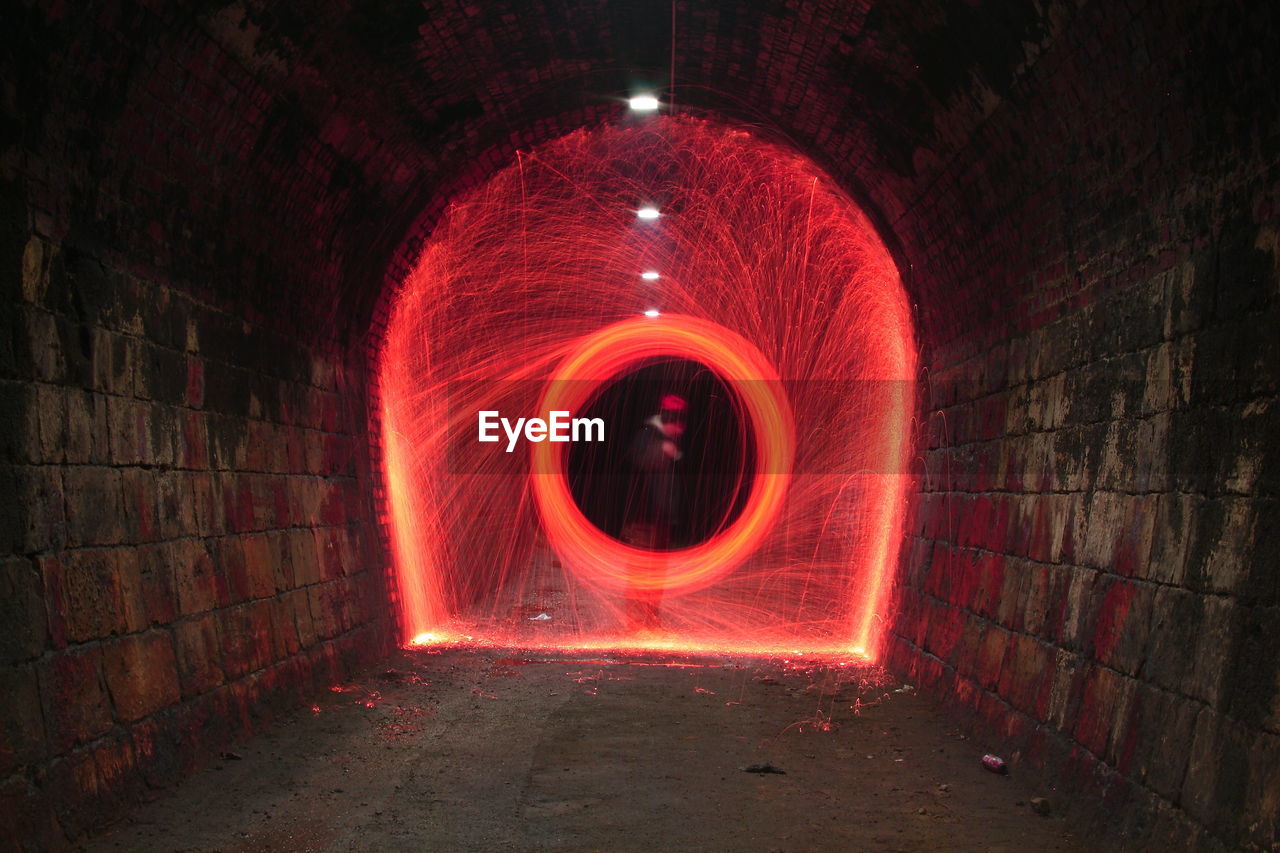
[(528, 298)]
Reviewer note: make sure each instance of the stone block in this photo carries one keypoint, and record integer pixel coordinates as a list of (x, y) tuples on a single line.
[(87, 438), (200, 585), (260, 564), (175, 505), (245, 634), (303, 557), (141, 673), (1173, 516), (1216, 636), (94, 506), (1163, 724), (115, 363), (1104, 711), (19, 423), (162, 375), (228, 554), (22, 731), (1026, 675), (1216, 786), (299, 603), (154, 744), (74, 700), (1123, 623), (193, 447), (22, 610), (33, 505), (92, 594), (206, 499), (1220, 556), (156, 576), (141, 504), (198, 654)]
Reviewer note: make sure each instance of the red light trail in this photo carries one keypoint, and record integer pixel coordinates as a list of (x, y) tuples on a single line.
[(538, 291)]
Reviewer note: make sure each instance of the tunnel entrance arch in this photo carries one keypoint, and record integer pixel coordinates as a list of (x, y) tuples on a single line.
[(669, 224)]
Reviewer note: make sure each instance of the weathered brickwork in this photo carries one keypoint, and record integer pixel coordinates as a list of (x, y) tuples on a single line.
[(201, 212), (190, 545), (1092, 571)]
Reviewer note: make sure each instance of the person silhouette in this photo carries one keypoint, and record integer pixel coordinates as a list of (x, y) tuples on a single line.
[(655, 501)]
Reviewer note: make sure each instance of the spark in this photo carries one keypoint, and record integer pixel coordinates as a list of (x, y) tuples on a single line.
[(771, 278)]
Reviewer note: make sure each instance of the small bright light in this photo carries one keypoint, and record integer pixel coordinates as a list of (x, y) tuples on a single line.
[(643, 103), (648, 213), (859, 651), (649, 275), (652, 312)]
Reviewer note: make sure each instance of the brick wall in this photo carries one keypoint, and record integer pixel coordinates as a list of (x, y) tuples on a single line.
[(187, 536), (200, 209), (1092, 573), (189, 547)]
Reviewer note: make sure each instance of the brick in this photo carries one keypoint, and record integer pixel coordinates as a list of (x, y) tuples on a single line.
[(19, 423), (193, 449), (205, 490), (260, 565), (22, 733), (175, 507), (44, 352), (75, 704), (94, 506), (115, 363), (299, 603), (157, 581), (22, 610), (141, 673), (1163, 724), (1103, 711), (228, 554), (1215, 788), (1123, 625), (1173, 516), (32, 502), (141, 505), (245, 635), (155, 750), (200, 585), (198, 652), (86, 434), (93, 594), (162, 375)]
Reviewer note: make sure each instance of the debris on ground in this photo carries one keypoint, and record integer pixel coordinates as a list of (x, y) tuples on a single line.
[(541, 617), (995, 764), (1040, 806), (763, 768), (230, 756)]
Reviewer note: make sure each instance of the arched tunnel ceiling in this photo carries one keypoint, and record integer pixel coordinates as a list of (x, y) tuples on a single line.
[(315, 135)]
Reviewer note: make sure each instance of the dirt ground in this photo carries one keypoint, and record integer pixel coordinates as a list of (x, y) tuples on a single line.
[(479, 750)]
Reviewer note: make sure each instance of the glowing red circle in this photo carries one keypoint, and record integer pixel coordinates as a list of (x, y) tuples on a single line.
[(606, 355)]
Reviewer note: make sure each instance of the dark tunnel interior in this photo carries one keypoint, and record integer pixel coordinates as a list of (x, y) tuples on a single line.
[(206, 209), (718, 444)]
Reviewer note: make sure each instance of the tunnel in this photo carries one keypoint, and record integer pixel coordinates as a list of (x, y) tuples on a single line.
[(967, 311)]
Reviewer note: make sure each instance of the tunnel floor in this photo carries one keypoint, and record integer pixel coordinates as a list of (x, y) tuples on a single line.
[(480, 749)]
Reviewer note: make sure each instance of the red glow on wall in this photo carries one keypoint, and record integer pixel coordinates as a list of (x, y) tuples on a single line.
[(529, 298)]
